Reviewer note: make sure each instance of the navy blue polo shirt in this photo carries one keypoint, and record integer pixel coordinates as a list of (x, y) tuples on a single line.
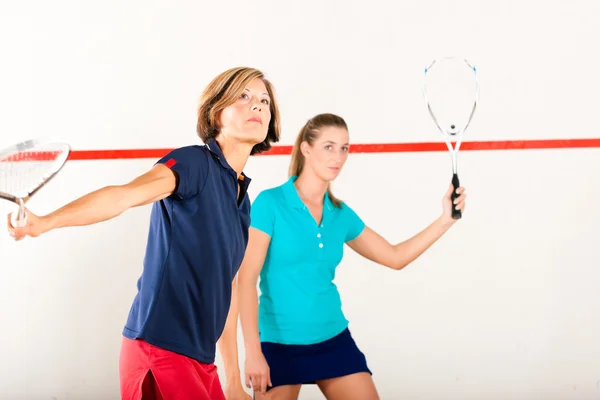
[(196, 243)]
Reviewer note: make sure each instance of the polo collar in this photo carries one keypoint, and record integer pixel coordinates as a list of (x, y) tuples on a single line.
[(293, 198), (215, 149)]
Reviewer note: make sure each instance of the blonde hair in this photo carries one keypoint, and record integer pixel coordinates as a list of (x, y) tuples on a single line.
[(309, 133), (222, 92)]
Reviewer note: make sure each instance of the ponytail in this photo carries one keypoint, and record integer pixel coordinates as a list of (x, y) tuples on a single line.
[(297, 161)]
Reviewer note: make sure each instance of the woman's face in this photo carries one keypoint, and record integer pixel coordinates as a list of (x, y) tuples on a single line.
[(247, 120), (328, 153)]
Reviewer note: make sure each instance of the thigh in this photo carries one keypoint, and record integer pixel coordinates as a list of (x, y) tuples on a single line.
[(134, 371), (150, 390), (359, 386), (149, 371), (286, 392), (180, 378)]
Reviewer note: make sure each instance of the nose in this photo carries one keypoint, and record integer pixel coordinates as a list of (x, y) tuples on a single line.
[(257, 106)]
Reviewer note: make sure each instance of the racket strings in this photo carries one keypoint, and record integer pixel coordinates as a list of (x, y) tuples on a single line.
[(23, 172), (451, 94)]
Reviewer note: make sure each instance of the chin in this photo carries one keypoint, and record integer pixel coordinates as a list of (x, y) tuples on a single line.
[(251, 139), (255, 137), (329, 175)]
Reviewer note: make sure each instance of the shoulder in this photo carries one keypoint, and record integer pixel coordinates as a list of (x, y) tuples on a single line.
[(265, 208), (268, 202), (346, 209), (272, 195), (186, 154), (191, 149), (347, 212)]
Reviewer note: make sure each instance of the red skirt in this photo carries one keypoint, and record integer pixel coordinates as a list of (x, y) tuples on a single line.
[(150, 373)]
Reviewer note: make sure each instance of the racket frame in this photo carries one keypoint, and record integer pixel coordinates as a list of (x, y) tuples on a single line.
[(456, 214), (31, 145)]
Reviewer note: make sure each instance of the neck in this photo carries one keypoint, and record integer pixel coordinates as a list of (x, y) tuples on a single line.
[(310, 187), (235, 153)]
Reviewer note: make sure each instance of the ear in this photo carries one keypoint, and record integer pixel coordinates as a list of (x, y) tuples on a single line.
[(305, 149)]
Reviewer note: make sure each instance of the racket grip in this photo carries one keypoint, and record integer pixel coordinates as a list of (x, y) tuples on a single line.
[(18, 220), (456, 214)]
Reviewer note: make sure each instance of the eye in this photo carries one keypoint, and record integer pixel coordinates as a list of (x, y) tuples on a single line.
[(345, 149), (243, 96), (329, 147)]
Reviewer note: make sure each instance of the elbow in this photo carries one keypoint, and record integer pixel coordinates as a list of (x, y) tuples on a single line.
[(397, 259), (246, 278), (242, 290), (122, 199), (245, 288), (397, 265)]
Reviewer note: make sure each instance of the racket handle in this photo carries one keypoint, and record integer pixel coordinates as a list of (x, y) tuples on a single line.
[(456, 214), (18, 220)]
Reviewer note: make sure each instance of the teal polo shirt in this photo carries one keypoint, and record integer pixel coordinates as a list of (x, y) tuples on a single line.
[(299, 303)]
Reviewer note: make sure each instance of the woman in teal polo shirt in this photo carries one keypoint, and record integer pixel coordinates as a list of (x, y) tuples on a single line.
[(297, 334)]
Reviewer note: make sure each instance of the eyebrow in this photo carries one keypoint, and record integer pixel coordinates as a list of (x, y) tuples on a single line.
[(332, 142), (248, 90)]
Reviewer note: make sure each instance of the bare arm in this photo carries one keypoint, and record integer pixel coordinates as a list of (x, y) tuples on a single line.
[(258, 244), (372, 246), (105, 203), (228, 343)]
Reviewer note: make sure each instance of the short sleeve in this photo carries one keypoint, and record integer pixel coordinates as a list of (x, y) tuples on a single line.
[(262, 213), (354, 223), (190, 165)]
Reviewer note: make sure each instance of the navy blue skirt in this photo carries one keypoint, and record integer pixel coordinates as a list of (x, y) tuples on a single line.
[(306, 364)]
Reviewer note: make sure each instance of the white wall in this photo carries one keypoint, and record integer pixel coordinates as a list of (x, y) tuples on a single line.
[(503, 307)]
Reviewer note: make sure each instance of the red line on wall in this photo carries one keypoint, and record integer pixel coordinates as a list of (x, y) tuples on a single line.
[(364, 148)]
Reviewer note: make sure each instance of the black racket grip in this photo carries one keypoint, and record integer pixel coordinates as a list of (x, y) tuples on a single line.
[(456, 214)]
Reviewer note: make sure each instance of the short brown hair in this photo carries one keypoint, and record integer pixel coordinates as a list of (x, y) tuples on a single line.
[(222, 92), (309, 133)]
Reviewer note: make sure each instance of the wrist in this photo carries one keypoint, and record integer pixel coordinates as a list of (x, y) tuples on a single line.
[(253, 349), (47, 223), (233, 380), (446, 222)]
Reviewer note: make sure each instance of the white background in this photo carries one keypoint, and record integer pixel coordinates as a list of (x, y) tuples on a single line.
[(505, 306)]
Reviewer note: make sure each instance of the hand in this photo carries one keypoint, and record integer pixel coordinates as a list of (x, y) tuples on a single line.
[(257, 373), (236, 392), (35, 226), (447, 203)]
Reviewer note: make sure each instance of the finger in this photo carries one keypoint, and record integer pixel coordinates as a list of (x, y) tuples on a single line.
[(11, 229), (258, 387), (269, 378), (460, 190), (460, 199), (11, 222), (247, 381), (264, 381), (255, 383)]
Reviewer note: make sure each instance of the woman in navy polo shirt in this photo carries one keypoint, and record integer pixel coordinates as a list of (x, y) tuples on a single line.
[(297, 334), (197, 238)]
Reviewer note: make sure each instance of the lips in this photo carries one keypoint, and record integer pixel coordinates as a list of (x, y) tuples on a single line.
[(255, 119)]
